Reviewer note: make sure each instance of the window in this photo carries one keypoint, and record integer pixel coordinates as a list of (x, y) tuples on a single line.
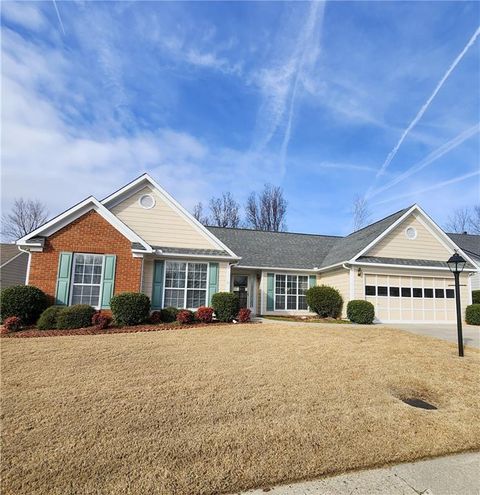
[(439, 293), (428, 293), (417, 292), (370, 290), (410, 233), (87, 279), (185, 284), (450, 293), (394, 291), (406, 292), (290, 292), (147, 201), (382, 290)]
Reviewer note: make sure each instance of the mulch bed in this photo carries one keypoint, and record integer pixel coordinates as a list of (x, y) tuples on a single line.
[(34, 332)]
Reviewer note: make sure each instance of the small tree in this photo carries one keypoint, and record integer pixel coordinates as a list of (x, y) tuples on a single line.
[(475, 220), (25, 216), (199, 214), (361, 213), (459, 221), (225, 211), (267, 210)]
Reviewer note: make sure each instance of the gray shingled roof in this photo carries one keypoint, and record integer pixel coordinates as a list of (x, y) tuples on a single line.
[(275, 249), (405, 262), (306, 251), (469, 243)]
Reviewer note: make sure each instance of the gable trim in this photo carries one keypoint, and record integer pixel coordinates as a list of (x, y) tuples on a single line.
[(77, 211), (131, 188)]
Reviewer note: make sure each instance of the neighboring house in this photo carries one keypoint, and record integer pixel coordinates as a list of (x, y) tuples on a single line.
[(13, 266), (470, 244), (140, 239)]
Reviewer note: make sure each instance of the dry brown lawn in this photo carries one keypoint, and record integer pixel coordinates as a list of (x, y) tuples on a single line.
[(212, 410)]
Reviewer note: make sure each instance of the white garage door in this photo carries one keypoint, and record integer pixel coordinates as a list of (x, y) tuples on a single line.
[(411, 299)]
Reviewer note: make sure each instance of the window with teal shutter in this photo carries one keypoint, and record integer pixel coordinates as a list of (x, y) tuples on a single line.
[(213, 273), (63, 278), (157, 287), (270, 291), (108, 280), (312, 281)]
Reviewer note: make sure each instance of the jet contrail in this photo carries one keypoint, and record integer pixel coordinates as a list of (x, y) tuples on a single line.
[(433, 156), (431, 188), (58, 15), (424, 108)]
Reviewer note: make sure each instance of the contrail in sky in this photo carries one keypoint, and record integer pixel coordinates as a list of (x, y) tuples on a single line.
[(433, 156), (424, 108), (58, 15)]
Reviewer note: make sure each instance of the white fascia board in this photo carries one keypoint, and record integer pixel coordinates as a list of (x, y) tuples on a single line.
[(133, 187), (414, 267), (77, 211), (276, 269), (384, 233), (196, 256), (331, 267)]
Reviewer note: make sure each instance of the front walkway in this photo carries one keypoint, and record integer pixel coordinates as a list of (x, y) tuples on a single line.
[(457, 474)]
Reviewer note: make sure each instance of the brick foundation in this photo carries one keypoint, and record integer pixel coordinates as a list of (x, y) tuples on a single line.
[(90, 233)]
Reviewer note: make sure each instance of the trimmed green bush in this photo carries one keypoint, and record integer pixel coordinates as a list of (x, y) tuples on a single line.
[(25, 301), (359, 311), (475, 296), (472, 314), (130, 308), (76, 316), (169, 314), (325, 301), (225, 305), (48, 319)]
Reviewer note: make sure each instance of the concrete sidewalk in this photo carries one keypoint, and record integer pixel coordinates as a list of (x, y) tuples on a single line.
[(451, 475)]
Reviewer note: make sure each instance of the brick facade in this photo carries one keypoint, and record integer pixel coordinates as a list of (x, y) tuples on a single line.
[(90, 233)]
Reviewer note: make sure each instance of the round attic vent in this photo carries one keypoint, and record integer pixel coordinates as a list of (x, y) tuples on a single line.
[(147, 201), (410, 233)]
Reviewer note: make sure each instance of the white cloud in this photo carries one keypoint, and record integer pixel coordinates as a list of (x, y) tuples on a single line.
[(23, 14)]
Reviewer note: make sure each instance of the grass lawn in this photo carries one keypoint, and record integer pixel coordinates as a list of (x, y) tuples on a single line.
[(209, 410)]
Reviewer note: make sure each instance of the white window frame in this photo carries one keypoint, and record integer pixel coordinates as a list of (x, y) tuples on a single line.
[(185, 288), (73, 283), (285, 295)]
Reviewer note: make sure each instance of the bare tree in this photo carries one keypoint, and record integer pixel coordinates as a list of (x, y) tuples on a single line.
[(361, 213), (199, 215), (458, 221), (225, 211), (267, 210), (475, 220), (25, 216)]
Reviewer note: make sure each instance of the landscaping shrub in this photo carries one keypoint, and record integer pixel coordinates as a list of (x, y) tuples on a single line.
[(100, 320), (244, 315), (48, 319), (225, 305), (76, 316), (360, 311), (12, 324), (25, 301), (168, 314), (475, 296), (325, 301), (130, 308), (472, 314), (204, 314), (185, 316), (155, 317)]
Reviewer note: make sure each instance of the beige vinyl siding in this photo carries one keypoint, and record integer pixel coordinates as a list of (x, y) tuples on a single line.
[(161, 225), (148, 264), (397, 245), (14, 272), (340, 280)]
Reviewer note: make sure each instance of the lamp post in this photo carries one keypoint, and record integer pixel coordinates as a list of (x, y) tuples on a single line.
[(456, 264)]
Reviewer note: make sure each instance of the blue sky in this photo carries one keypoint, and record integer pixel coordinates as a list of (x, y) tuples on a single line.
[(211, 97)]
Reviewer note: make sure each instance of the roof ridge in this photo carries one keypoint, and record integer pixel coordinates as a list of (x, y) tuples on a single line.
[(272, 231)]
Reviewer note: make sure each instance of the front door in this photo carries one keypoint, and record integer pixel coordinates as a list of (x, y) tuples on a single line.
[(240, 287)]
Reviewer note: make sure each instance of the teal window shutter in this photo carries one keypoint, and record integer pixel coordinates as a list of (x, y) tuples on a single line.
[(108, 280), (157, 287), (312, 281), (270, 291), (63, 278), (212, 280)]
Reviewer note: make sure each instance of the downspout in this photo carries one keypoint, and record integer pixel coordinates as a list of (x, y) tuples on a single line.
[(28, 263)]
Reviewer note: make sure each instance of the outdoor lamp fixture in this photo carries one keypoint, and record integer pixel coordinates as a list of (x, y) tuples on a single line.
[(456, 264)]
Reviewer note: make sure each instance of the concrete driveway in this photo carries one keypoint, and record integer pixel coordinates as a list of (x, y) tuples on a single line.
[(471, 333)]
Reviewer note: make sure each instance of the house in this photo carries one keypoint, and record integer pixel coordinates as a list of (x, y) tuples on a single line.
[(140, 239), (13, 266), (470, 244)]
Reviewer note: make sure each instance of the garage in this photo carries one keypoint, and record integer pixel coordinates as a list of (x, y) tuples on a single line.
[(404, 299)]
